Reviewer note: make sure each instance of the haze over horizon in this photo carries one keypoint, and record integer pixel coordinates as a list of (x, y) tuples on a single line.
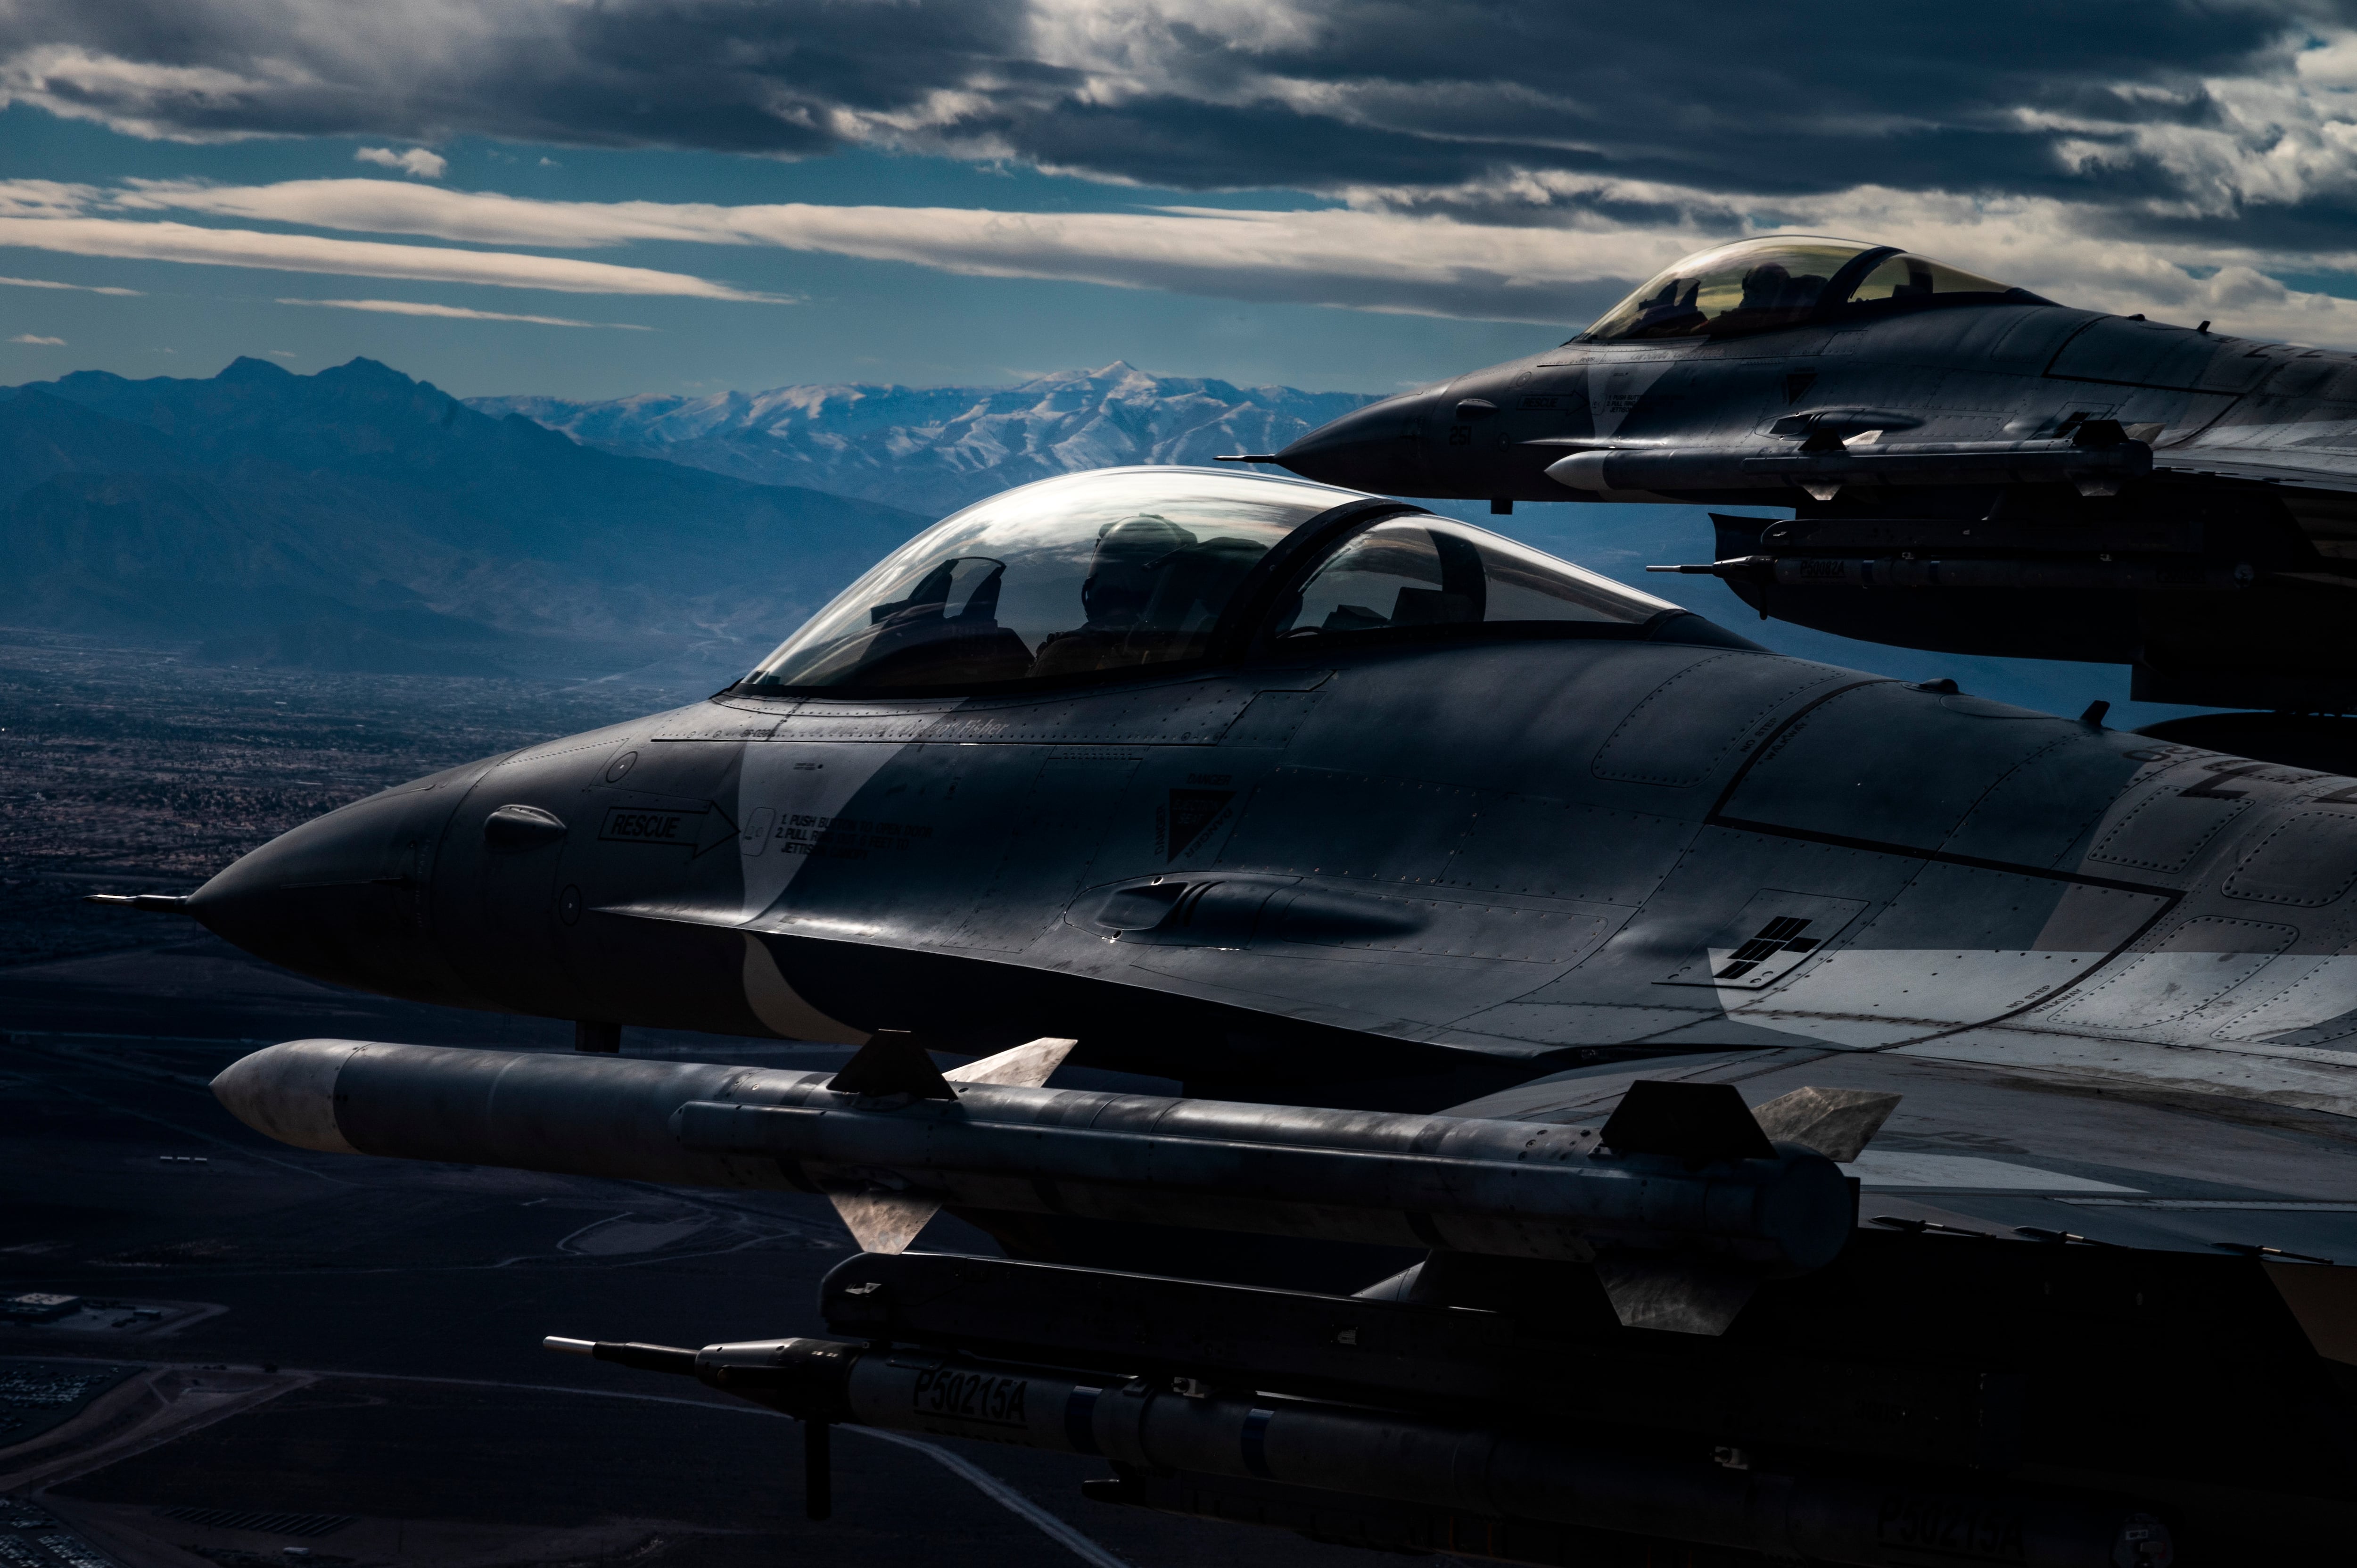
[(541, 198)]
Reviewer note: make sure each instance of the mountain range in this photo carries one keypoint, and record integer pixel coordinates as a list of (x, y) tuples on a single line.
[(935, 449), (359, 520)]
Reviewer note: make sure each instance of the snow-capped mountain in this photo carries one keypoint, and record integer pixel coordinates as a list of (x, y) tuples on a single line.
[(934, 449)]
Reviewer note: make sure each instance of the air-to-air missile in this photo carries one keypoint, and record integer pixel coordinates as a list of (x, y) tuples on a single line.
[(1683, 1170), (1452, 891), (1681, 1204), (1191, 1446)]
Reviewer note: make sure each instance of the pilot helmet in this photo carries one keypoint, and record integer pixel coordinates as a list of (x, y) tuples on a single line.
[(1121, 577)]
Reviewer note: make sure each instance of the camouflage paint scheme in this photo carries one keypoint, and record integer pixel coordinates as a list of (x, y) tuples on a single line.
[(1406, 854)]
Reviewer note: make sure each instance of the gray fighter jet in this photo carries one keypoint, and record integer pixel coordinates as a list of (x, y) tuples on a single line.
[(1970, 468), (1837, 1118)]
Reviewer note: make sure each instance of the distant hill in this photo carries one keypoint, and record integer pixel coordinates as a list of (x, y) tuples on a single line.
[(359, 520), (934, 449)]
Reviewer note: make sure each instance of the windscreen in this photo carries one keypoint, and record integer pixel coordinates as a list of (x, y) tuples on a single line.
[(1757, 285), (1906, 277), (1423, 572), (1104, 571), (1747, 288)]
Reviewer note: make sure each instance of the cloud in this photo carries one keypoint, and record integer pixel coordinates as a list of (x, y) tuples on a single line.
[(456, 312), (77, 287), (2174, 130), (43, 342), (1375, 260), (1735, 98), (169, 242), (1591, 242), (417, 163)]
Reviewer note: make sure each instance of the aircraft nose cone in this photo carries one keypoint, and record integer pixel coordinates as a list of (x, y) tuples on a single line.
[(1379, 447), (343, 898)]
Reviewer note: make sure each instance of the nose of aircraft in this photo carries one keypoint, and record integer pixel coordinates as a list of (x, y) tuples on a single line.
[(344, 898), (1380, 447)]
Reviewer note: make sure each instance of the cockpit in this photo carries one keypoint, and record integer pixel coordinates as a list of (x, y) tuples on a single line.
[(1757, 286), (1118, 570)]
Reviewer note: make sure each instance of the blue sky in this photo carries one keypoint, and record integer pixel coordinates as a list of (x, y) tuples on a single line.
[(688, 195)]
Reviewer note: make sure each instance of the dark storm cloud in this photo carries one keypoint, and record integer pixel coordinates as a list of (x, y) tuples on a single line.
[(1183, 143), (1725, 92), (768, 77)]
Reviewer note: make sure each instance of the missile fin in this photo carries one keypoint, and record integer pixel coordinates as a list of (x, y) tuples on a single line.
[(1837, 1123), (1679, 1293), (1700, 1122), (882, 1222), (1025, 1066), (890, 1063)]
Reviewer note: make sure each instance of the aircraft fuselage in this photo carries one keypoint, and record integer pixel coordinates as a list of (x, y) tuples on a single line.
[(1512, 850)]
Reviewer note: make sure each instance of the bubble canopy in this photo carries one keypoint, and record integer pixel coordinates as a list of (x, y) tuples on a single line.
[(1755, 285), (1120, 570)]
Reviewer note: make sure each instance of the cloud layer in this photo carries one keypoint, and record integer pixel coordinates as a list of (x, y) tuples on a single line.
[(2170, 108), (1487, 159), (1370, 259), (76, 287), (48, 216), (453, 312)]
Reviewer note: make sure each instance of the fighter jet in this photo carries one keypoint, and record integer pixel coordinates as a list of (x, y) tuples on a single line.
[(1969, 466), (1800, 1114)]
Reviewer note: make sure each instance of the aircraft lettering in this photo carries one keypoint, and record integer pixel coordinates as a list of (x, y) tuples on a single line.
[(639, 824), (1964, 1527), (844, 837), (969, 1396), (1187, 819)]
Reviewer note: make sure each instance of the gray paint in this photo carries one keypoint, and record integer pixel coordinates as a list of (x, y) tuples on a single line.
[(1502, 848)]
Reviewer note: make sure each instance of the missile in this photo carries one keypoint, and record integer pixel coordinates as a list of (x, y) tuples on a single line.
[(1333, 1454), (1824, 464), (1680, 1169)]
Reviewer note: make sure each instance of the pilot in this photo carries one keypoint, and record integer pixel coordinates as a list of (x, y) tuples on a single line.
[(1115, 596), (1764, 286), (1770, 285)]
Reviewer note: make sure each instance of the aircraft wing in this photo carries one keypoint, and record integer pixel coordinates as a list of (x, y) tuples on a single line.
[(2011, 1155), (2289, 460)]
